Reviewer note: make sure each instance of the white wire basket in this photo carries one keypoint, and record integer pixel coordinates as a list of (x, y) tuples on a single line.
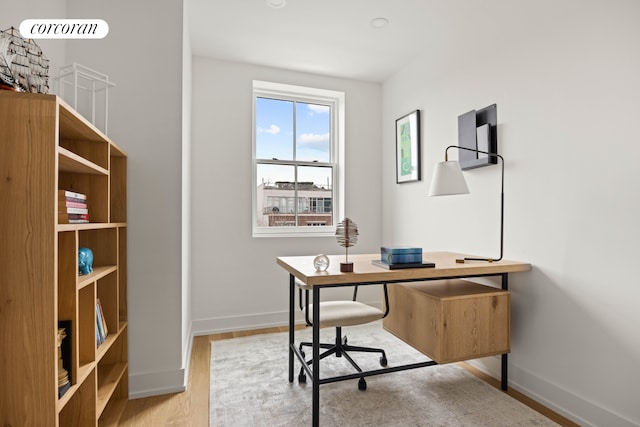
[(87, 91)]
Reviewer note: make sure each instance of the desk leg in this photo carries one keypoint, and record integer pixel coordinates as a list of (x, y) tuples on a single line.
[(316, 356), (505, 368), (292, 294), (505, 357)]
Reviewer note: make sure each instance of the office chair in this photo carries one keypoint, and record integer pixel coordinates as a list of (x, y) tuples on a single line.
[(338, 314)]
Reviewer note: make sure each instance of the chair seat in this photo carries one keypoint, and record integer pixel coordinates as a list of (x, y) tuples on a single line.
[(346, 313)]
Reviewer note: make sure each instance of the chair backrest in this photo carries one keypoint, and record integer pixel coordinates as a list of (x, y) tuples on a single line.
[(306, 288)]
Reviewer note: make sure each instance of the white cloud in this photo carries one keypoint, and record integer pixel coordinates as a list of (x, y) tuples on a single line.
[(322, 109), (273, 130), (313, 138)]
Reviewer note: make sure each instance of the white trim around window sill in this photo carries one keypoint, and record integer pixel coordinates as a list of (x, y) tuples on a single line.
[(294, 232)]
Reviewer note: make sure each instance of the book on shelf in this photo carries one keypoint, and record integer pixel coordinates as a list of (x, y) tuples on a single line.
[(66, 204), (100, 336), (101, 324), (66, 195), (75, 211), (64, 218), (104, 322)]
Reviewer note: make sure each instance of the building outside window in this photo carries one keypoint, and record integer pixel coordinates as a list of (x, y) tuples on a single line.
[(298, 160)]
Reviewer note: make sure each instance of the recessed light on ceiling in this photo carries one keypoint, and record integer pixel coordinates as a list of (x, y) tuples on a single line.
[(276, 4), (379, 22)]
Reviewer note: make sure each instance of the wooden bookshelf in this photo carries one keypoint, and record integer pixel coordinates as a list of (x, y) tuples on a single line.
[(46, 146)]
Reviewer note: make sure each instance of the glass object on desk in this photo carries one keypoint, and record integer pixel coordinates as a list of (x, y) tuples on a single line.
[(321, 262)]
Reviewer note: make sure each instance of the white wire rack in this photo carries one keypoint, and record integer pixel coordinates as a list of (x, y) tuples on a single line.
[(94, 84)]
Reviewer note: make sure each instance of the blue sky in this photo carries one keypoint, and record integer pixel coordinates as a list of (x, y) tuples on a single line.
[(274, 138), (274, 133)]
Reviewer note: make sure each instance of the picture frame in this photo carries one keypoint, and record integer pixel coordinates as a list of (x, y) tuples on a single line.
[(408, 162)]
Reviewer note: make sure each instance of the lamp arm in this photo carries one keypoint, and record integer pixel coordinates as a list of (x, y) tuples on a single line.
[(501, 197), (446, 158)]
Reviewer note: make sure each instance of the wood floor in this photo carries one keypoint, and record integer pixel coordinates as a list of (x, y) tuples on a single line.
[(191, 408)]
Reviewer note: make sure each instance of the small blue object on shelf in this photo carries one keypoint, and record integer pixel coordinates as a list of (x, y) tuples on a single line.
[(400, 255), (85, 261)]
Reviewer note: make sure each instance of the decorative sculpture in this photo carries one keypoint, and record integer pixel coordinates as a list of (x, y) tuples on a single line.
[(347, 236), (321, 262), (85, 261), (23, 67)]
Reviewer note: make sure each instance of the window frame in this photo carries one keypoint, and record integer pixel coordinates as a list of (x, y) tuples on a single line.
[(336, 101)]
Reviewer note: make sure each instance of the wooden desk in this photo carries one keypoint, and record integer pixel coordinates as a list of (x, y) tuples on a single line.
[(365, 273)]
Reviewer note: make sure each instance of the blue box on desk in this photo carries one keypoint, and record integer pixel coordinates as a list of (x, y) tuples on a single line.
[(400, 255)]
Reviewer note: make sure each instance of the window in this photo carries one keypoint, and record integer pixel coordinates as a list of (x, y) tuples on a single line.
[(298, 160)]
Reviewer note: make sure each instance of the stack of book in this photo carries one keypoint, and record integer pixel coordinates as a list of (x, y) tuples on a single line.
[(72, 207), (101, 325), (400, 255), (394, 257)]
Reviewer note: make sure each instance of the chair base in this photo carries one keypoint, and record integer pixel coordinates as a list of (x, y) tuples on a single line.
[(341, 348)]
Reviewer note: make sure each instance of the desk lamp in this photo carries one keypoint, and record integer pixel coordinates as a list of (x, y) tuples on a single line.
[(449, 180)]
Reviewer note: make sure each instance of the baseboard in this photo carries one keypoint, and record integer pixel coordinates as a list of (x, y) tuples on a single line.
[(216, 325), (157, 383), (556, 398), (186, 356)]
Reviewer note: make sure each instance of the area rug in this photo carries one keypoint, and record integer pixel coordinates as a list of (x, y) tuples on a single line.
[(250, 387)]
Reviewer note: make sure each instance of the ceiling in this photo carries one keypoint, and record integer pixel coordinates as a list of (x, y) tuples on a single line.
[(328, 37)]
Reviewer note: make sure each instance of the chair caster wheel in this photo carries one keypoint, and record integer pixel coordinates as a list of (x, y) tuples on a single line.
[(362, 384), (383, 361), (302, 379)]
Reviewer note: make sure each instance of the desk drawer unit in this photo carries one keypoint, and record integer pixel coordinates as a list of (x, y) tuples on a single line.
[(450, 320)]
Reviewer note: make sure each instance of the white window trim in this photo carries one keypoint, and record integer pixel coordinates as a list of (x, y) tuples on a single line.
[(312, 95)]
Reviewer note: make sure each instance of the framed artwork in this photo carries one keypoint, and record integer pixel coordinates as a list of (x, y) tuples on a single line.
[(408, 148)]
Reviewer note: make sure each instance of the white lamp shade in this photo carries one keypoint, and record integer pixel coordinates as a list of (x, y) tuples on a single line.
[(448, 180)]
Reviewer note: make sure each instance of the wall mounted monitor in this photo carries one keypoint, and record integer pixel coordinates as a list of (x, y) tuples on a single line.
[(478, 130)]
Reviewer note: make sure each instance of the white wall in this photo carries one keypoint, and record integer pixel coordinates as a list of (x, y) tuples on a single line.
[(236, 282), (565, 78), (187, 337), (143, 55)]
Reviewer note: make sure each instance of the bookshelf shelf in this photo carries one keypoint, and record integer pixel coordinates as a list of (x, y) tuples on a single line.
[(89, 226), (66, 397), (108, 380), (112, 413), (96, 274), (84, 371), (71, 162), (105, 346), (47, 147)]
